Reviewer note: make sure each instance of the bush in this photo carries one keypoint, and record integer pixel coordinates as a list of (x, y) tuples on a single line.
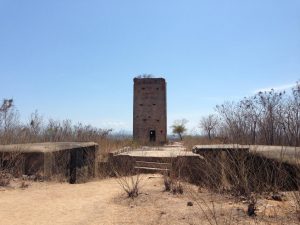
[(130, 185), (4, 179), (173, 185)]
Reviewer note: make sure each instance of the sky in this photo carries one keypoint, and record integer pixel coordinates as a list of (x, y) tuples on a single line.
[(75, 59)]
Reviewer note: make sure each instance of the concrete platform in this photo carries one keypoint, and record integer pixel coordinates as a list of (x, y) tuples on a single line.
[(260, 167), (279, 153), (45, 146), (163, 159), (163, 152), (71, 161), (217, 166)]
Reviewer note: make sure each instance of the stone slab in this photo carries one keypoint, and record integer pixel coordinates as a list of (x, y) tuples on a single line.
[(281, 153), (165, 151), (45, 147)]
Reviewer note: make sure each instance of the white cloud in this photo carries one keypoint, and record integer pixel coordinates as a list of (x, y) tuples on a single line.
[(276, 88)]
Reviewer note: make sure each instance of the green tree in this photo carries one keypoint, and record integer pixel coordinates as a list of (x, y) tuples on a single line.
[(179, 127)]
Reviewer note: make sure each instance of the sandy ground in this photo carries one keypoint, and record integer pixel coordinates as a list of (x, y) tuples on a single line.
[(103, 202)]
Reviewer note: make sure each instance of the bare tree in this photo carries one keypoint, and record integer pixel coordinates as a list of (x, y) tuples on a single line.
[(291, 117), (209, 124), (36, 122), (231, 121), (5, 111), (270, 104), (271, 118), (9, 117)]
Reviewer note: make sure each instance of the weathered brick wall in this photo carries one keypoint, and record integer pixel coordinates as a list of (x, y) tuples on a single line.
[(150, 110)]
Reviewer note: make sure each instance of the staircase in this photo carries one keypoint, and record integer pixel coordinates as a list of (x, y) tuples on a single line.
[(153, 165)]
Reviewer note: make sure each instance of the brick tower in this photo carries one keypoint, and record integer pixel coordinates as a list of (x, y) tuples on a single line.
[(150, 110)]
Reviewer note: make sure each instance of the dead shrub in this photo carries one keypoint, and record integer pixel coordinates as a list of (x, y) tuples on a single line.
[(122, 167), (173, 185), (177, 188), (10, 164), (4, 179), (296, 197), (24, 185), (167, 183), (130, 185), (252, 207)]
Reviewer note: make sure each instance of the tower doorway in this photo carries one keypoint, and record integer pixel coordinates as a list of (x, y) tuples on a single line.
[(152, 136)]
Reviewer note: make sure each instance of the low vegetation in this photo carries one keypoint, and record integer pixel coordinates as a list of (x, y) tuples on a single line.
[(12, 131), (173, 185), (267, 118), (130, 184)]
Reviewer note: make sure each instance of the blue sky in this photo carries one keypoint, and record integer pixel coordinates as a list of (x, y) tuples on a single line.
[(76, 59)]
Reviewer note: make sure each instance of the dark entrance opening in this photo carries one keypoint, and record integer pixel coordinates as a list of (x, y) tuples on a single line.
[(73, 162), (152, 136)]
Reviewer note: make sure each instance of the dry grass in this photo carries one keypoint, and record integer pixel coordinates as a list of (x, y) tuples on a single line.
[(108, 145), (190, 141), (245, 176), (9, 167), (4, 179), (173, 185), (296, 197)]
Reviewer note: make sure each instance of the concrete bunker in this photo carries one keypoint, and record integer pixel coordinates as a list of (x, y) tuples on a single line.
[(70, 161), (251, 168)]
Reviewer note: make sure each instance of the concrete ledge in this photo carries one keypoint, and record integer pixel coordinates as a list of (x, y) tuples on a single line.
[(280, 153), (71, 161), (45, 146)]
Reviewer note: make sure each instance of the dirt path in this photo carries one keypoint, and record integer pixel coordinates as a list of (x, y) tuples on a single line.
[(100, 202), (103, 202)]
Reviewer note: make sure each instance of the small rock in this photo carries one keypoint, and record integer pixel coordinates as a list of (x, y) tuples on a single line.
[(277, 197), (243, 198), (32, 177), (240, 212), (24, 185), (251, 209), (190, 204)]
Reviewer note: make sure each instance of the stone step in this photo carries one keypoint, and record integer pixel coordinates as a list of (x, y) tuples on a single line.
[(153, 159), (151, 169), (153, 164)]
